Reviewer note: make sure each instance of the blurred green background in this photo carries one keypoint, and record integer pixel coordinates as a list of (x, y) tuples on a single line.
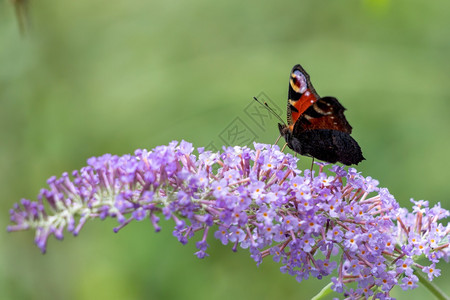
[(92, 77)]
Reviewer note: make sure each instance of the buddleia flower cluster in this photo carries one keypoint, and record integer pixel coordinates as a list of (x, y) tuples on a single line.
[(255, 199)]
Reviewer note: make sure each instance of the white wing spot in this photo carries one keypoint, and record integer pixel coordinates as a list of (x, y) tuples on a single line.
[(307, 93), (312, 101)]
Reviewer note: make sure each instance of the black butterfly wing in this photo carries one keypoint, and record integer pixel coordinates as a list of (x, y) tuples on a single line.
[(323, 132), (328, 145)]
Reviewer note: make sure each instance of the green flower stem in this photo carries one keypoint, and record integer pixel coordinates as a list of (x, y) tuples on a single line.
[(324, 292), (434, 289)]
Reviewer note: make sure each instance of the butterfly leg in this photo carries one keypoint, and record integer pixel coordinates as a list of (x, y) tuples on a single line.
[(312, 165), (276, 142), (283, 147)]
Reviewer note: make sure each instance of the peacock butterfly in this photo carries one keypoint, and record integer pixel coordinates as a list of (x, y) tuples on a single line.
[(317, 126)]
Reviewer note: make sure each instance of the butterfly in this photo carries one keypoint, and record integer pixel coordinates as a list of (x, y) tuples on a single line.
[(317, 126)]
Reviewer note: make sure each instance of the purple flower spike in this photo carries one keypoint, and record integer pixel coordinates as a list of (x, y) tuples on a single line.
[(258, 200)]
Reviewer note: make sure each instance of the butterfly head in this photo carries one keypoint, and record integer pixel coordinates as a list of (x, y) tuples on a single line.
[(285, 130)]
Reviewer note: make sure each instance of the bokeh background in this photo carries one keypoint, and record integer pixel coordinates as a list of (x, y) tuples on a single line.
[(93, 76)]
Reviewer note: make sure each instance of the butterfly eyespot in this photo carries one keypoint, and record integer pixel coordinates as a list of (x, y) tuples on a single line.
[(298, 82)]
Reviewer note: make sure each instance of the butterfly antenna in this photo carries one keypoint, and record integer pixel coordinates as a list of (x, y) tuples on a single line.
[(312, 165), (270, 110)]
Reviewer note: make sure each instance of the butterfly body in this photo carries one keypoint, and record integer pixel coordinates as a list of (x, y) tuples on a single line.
[(317, 126)]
